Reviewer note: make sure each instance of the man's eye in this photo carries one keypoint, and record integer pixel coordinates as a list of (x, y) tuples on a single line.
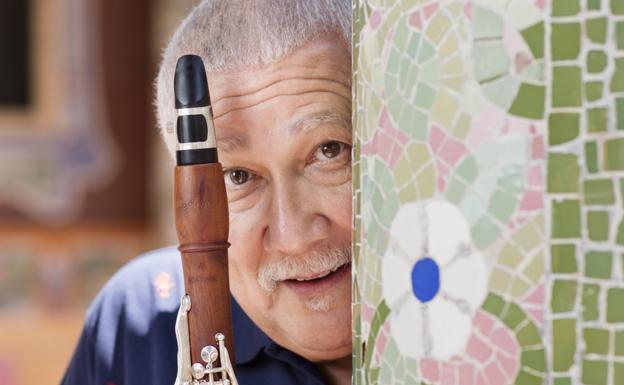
[(330, 149), (238, 177)]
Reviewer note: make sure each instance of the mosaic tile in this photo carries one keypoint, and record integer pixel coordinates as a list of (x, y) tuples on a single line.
[(594, 372), (529, 102), (565, 7), (597, 29), (563, 127), (591, 293), (617, 81), (619, 33), (615, 310), (591, 156), (614, 154), (593, 91), (566, 87), (598, 225), (563, 343), (598, 264), (563, 259), (617, 7), (563, 296), (598, 192), (534, 36), (596, 341), (597, 119), (594, 4), (619, 113), (563, 173), (619, 343), (565, 41), (566, 219), (596, 61)]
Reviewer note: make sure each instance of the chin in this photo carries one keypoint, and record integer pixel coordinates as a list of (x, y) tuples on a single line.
[(317, 327)]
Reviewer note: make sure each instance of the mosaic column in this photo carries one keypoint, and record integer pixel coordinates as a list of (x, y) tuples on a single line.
[(489, 180)]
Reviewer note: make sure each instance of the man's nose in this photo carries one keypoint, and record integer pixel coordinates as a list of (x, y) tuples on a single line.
[(297, 223)]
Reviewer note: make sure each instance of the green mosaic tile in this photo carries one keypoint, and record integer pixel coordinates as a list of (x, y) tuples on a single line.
[(534, 359), (622, 189), (526, 378), (617, 7), (494, 304), (596, 340), (563, 128), (565, 41), (500, 280), (594, 372), (615, 302), (563, 173), (565, 7), (618, 373), (563, 343), (593, 4), (534, 36), (594, 91), (502, 204), (597, 119), (589, 301), (619, 111), (566, 87), (619, 34), (598, 225), (619, 343), (597, 29), (614, 154), (598, 264), (566, 221), (562, 381), (529, 102), (513, 316), (591, 156), (563, 296), (620, 234), (529, 335), (598, 192), (563, 259), (596, 61), (617, 81)]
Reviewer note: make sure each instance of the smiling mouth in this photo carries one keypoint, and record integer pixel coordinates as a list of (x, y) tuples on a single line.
[(318, 283)]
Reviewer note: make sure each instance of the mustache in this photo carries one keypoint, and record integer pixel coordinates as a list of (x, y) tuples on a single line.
[(310, 264)]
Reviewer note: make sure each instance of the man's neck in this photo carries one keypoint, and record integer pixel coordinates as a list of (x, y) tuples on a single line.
[(337, 372)]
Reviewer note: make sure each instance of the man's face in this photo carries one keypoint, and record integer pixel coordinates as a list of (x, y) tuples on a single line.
[(284, 138)]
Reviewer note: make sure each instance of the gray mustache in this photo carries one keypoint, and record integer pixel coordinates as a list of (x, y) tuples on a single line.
[(313, 263)]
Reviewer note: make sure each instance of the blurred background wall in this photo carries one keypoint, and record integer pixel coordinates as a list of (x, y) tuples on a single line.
[(84, 180)]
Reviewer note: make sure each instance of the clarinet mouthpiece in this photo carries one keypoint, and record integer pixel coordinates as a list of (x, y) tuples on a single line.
[(190, 83), (196, 142)]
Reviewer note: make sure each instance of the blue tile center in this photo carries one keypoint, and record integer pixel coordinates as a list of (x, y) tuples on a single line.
[(425, 279)]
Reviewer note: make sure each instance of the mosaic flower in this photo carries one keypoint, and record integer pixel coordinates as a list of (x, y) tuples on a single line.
[(433, 279)]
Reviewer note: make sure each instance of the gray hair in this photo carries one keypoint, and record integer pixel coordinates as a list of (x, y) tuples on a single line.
[(232, 35)]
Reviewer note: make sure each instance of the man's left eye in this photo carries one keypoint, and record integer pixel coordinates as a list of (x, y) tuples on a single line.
[(330, 150)]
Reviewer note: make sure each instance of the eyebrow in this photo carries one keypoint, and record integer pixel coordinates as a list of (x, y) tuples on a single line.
[(306, 124)]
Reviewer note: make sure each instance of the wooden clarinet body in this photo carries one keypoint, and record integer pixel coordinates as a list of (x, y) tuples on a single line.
[(202, 224)]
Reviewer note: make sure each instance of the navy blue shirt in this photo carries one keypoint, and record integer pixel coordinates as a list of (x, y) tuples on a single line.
[(128, 336)]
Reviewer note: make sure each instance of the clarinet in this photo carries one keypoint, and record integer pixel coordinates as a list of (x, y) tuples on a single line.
[(202, 223)]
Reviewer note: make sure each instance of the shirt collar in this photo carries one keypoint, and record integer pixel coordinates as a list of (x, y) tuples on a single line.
[(249, 340)]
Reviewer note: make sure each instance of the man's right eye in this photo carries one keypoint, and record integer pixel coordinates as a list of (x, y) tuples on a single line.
[(237, 176)]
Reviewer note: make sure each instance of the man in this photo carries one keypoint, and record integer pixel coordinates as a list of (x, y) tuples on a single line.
[(279, 75)]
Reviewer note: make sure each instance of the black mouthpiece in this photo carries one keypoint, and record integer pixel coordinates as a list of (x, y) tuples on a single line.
[(190, 84)]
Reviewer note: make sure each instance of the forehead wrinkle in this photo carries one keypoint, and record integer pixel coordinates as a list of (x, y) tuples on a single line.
[(226, 104)]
